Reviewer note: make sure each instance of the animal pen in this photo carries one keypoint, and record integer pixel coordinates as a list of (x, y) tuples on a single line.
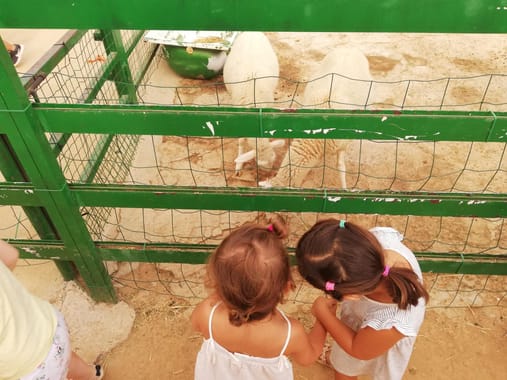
[(101, 163)]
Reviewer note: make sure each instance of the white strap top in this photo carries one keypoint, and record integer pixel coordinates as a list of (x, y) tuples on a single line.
[(214, 362), (289, 327), (379, 316)]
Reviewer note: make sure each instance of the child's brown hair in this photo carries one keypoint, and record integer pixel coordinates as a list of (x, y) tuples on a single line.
[(351, 258), (250, 271)]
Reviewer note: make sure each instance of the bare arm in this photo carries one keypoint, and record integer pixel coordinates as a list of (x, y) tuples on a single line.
[(367, 343), (8, 255), (305, 348)]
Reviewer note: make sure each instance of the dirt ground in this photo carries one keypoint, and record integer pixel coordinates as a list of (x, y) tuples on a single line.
[(454, 343), (148, 335)]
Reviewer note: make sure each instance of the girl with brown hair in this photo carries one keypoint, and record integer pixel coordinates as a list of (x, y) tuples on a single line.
[(246, 336), (379, 282)]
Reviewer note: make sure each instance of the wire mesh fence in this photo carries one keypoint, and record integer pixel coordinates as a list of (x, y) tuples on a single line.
[(386, 165), (383, 165), (185, 282), (453, 235)]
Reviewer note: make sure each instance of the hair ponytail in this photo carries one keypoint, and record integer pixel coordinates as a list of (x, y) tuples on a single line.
[(237, 317), (404, 287), (329, 288)]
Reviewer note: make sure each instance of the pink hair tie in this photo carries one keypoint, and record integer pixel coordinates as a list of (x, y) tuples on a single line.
[(329, 286), (385, 273), (270, 228)]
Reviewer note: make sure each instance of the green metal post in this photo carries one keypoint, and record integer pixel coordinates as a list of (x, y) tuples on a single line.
[(30, 146), (12, 171), (121, 74)]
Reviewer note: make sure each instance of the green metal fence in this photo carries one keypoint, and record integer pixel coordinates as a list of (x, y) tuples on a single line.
[(75, 127)]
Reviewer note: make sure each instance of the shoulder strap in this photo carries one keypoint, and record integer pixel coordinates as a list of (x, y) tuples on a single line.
[(289, 332), (211, 318)]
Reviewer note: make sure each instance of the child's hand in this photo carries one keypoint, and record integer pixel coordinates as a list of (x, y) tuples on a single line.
[(323, 306)]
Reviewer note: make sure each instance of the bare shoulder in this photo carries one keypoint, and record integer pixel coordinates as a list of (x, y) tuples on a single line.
[(200, 314), (394, 258), (297, 326), (298, 334)]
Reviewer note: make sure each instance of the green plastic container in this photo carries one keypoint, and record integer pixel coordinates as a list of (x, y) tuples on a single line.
[(195, 63), (196, 54)]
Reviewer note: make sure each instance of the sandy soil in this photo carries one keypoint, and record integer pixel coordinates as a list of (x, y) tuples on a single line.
[(148, 335), (457, 342)]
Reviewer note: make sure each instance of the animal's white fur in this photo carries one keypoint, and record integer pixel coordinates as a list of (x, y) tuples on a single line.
[(250, 75), (347, 90)]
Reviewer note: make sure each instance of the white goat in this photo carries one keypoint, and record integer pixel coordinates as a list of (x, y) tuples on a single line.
[(341, 80), (251, 75)]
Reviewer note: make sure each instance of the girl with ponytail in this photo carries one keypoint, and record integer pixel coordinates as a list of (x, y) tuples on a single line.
[(379, 283), (246, 335)]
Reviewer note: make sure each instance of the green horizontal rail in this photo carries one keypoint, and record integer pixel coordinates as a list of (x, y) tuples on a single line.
[(248, 122), (252, 199), (445, 16), (307, 200), (198, 254), (19, 194)]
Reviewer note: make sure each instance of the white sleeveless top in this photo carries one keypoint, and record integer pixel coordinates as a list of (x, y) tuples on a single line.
[(379, 316), (214, 362)]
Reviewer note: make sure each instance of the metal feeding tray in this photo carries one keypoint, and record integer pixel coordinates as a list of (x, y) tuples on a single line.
[(194, 54)]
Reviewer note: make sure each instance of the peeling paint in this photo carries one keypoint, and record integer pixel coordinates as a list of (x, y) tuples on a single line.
[(435, 201), (210, 126), (411, 137), (31, 251), (334, 199), (384, 118), (475, 202), (317, 131), (389, 200), (28, 191), (363, 131)]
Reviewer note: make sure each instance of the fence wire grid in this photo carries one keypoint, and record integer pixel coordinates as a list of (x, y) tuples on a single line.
[(426, 166)]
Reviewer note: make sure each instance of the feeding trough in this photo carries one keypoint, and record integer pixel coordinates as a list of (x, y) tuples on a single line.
[(194, 54)]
